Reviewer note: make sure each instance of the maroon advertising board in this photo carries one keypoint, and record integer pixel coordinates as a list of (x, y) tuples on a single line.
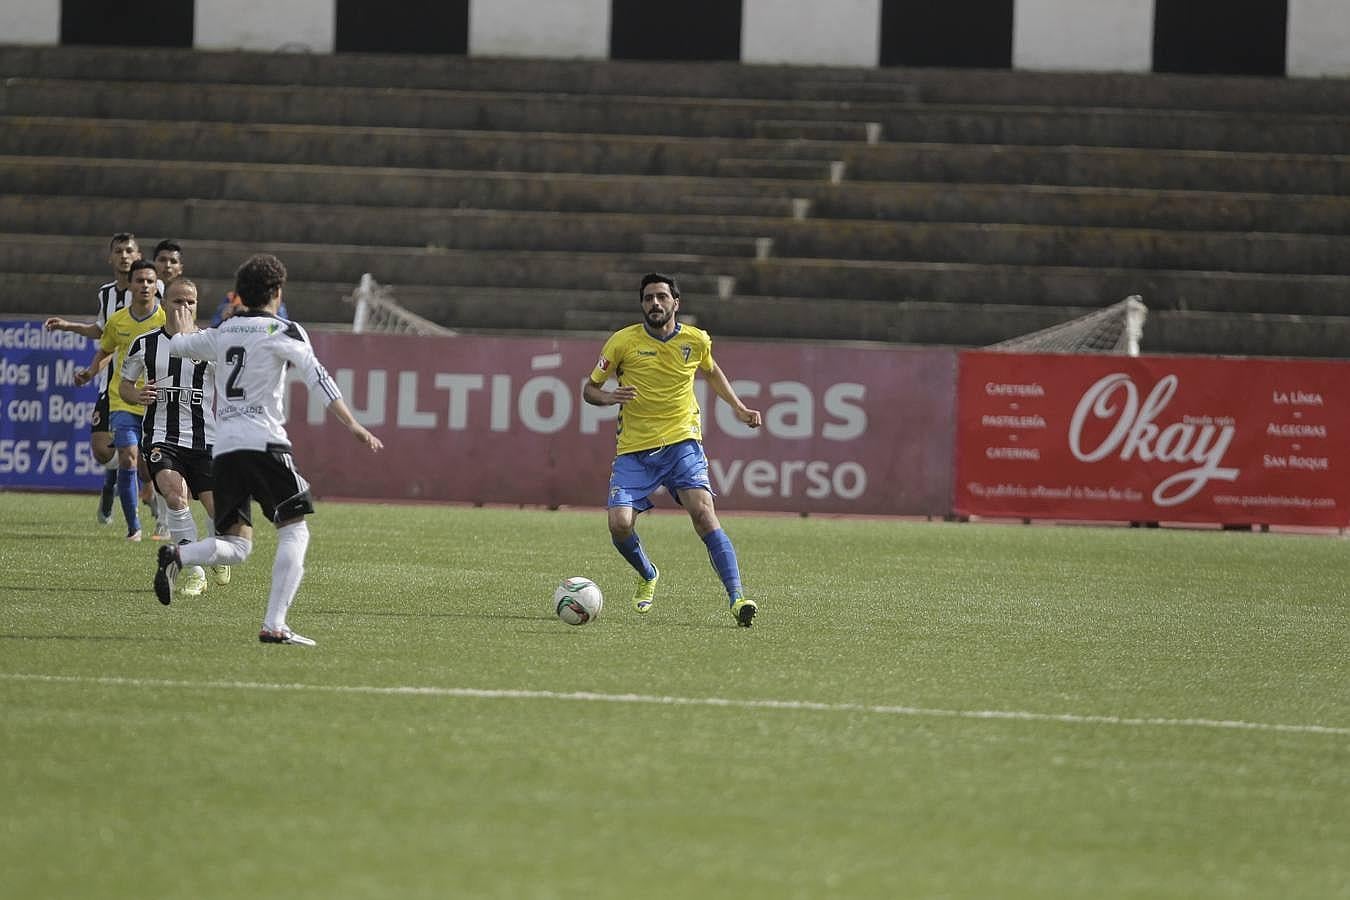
[(1185, 439), (847, 428)]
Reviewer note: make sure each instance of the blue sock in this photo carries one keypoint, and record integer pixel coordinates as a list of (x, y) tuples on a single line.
[(128, 489), (105, 500), (632, 551), (723, 558)]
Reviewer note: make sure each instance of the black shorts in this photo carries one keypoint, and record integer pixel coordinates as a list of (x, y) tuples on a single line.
[(267, 476), (193, 465), (99, 420)]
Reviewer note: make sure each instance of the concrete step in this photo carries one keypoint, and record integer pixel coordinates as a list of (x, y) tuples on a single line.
[(734, 205), (978, 324), (395, 107), (796, 129), (808, 279), (649, 156), (597, 320), (914, 321), (1064, 205), (85, 257), (857, 89), (665, 78), (1130, 91), (457, 306), (691, 79), (551, 111), (747, 237), (719, 286), (904, 201), (830, 171), (1043, 285), (708, 245)]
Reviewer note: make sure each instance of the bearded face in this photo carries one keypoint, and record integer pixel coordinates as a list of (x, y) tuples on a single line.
[(658, 306)]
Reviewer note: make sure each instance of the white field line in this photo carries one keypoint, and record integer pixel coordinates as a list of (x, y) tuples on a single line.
[(790, 705)]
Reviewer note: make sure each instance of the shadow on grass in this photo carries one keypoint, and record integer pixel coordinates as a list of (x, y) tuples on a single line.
[(46, 531), (551, 623), (68, 637), (392, 614), (64, 589)]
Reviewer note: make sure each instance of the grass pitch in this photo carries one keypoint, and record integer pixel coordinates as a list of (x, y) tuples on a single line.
[(921, 710)]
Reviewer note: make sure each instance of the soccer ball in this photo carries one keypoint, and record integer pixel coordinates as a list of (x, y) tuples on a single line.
[(578, 601)]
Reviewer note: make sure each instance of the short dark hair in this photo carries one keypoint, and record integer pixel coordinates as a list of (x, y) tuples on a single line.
[(658, 278), (258, 279), (120, 238), (142, 263), (167, 244)]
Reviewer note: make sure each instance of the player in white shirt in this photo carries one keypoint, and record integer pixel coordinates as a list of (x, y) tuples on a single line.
[(252, 461)]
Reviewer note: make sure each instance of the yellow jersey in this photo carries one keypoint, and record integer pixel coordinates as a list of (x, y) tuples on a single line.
[(665, 410), (119, 331)]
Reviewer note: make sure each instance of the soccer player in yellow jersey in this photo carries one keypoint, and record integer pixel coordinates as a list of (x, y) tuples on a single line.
[(144, 313), (660, 437)]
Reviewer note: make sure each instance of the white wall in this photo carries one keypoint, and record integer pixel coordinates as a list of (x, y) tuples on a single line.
[(809, 32), (30, 21), (555, 28), (1084, 35), (1319, 38), (265, 24)]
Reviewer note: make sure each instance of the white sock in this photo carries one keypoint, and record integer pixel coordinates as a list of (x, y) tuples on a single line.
[(287, 570), (226, 550), (182, 528), (160, 507)]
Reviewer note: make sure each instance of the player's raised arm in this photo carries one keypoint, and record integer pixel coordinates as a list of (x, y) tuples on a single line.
[(91, 330), (197, 345)]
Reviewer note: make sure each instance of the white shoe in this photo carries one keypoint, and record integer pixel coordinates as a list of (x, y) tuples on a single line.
[(284, 635), (192, 582), (220, 574)]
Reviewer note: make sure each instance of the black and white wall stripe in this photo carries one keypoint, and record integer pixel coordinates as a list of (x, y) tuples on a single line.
[(1305, 38)]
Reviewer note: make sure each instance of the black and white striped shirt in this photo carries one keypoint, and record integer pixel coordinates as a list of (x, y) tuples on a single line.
[(110, 300), (185, 398)]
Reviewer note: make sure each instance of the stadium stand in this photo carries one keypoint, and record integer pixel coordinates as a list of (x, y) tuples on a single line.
[(901, 205)]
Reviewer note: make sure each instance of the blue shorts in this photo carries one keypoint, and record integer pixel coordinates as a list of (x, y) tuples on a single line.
[(126, 428), (676, 467)]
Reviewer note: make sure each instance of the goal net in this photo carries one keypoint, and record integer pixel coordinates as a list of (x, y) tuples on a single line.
[(378, 312), (1117, 328)]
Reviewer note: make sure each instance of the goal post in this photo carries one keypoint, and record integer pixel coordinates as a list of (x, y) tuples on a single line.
[(1115, 329), (376, 311)]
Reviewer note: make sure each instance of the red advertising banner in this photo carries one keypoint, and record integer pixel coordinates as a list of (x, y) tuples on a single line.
[(847, 429), (1182, 439)]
